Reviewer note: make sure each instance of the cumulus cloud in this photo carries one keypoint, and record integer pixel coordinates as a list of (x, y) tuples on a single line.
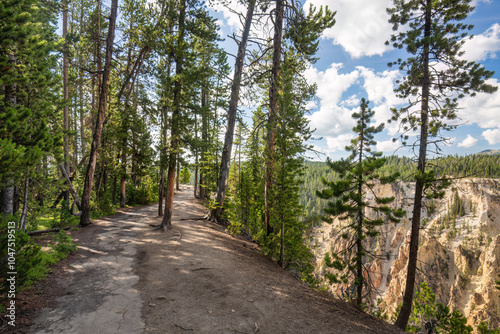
[(468, 142), (361, 27), (388, 146), (338, 143), (231, 18), (482, 109), (483, 46), (492, 136), (331, 119), (379, 87)]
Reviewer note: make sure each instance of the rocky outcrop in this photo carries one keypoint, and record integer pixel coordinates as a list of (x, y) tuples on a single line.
[(459, 250)]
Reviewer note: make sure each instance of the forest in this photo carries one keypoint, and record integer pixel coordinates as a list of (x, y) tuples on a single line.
[(135, 97)]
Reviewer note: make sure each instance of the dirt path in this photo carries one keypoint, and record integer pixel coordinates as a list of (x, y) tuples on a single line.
[(193, 279)]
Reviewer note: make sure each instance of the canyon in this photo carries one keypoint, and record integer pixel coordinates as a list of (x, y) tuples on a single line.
[(459, 249)]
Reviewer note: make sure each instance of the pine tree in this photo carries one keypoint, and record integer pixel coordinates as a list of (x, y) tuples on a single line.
[(96, 140), (233, 106), (357, 177), (28, 92), (436, 78)]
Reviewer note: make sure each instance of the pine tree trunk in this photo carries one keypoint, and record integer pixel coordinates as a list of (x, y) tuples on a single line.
[(8, 190), (96, 140), (70, 186), (166, 222), (273, 113), (404, 314), (195, 159), (65, 91), (115, 185), (204, 140), (7, 198), (177, 185), (160, 192), (24, 214), (123, 179), (231, 118), (359, 227)]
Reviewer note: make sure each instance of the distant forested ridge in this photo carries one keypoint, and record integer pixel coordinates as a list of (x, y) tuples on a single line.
[(475, 165)]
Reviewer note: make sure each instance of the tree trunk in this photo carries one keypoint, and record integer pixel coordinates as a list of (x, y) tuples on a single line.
[(115, 185), (195, 158), (166, 222), (96, 140), (273, 113), (24, 214), (404, 314), (7, 198), (65, 91), (7, 193), (123, 179), (70, 187), (160, 192), (177, 177), (231, 118)]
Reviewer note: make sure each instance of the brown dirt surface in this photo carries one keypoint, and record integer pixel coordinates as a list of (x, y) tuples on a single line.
[(195, 278)]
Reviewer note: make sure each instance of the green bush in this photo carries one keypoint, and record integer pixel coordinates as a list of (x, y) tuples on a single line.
[(64, 244), (146, 192), (26, 253)]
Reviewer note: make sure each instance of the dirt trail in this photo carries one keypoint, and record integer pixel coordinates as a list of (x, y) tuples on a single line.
[(192, 279)]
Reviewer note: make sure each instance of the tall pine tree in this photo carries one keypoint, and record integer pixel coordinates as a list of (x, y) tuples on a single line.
[(357, 174), (437, 76)]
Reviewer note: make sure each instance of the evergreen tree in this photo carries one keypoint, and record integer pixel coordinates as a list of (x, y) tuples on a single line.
[(357, 176), (28, 92), (436, 78)]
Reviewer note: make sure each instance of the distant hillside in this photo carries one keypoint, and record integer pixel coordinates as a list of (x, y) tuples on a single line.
[(490, 152), (475, 165)]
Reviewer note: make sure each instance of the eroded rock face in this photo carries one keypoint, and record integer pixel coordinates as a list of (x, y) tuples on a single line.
[(459, 253)]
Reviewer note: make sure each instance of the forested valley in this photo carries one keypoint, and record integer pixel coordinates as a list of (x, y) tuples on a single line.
[(134, 98)]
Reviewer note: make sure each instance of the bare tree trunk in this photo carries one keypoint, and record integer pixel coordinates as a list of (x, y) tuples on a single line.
[(7, 198), (65, 91), (160, 192), (177, 177), (96, 140), (174, 134), (273, 113), (70, 187), (24, 214), (404, 314), (82, 124), (7, 193), (123, 179), (115, 181), (204, 139), (231, 118), (195, 158)]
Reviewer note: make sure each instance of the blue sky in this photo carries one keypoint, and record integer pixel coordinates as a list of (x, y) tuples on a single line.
[(353, 64)]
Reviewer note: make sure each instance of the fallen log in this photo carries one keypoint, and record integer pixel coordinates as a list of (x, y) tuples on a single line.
[(49, 230)]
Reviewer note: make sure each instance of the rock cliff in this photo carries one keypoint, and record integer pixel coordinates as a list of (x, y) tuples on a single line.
[(459, 250)]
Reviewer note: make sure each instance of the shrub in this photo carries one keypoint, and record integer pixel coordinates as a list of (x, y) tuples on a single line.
[(27, 255)]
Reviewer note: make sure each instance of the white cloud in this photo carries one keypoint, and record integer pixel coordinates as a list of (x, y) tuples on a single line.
[(334, 120), (231, 19), (482, 109), (338, 143), (388, 146), (379, 87), (362, 26), (468, 142), (492, 136), (331, 119), (483, 46)]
